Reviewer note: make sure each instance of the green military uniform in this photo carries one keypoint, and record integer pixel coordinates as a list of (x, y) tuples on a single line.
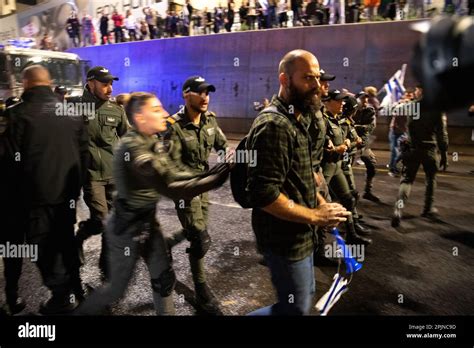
[(427, 134), (350, 133), (365, 125), (334, 176), (190, 145), (105, 127), (332, 163), (348, 158), (143, 171), (317, 131)]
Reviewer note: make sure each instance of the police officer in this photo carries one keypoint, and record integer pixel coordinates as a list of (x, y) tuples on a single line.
[(193, 133), (317, 132), (107, 123), (50, 158), (427, 135), (334, 150), (353, 142), (143, 171), (365, 122)]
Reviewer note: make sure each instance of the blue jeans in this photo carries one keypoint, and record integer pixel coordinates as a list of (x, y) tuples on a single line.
[(294, 283), (393, 138)]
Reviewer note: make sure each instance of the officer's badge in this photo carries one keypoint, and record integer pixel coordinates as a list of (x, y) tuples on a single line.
[(211, 131)]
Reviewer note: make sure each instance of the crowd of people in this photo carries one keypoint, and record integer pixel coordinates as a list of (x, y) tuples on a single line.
[(126, 153), (118, 27)]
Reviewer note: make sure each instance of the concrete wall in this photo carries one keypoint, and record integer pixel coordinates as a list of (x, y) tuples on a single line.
[(243, 65)]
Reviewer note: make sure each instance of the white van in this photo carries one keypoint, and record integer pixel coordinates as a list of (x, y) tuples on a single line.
[(65, 68)]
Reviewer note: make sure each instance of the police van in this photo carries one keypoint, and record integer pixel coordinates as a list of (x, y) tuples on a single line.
[(66, 69)]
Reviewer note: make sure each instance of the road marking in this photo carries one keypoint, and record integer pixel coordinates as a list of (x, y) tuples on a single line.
[(460, 175), (230, 205)]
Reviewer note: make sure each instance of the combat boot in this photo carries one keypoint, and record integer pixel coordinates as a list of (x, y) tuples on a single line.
[(361, 230), (371, 197), (15, 306), (353, 238), (58, 304), (432, 214), (206, 300)]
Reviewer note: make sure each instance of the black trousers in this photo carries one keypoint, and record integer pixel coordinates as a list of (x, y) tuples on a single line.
[(51, 228), (126, 243), (98, 198), (12, 233)]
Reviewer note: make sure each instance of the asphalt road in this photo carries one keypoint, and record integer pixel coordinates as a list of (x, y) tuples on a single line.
[(418, 269)]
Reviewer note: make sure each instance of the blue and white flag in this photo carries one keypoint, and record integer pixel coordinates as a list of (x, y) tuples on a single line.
[(394, 88)]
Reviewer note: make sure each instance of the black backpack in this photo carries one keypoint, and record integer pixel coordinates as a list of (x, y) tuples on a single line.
[(238, 179), (239, 174)]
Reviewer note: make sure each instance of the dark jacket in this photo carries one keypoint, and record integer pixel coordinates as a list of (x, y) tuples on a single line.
[(49, 149), (428, 129), (105, 128)]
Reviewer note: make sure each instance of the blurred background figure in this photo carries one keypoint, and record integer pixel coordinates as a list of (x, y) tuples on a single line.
[(62, 92), (73, 29)]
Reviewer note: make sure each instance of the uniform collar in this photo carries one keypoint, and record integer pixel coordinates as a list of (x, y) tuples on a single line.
[(188, 122), (89, 97), (330, 115)]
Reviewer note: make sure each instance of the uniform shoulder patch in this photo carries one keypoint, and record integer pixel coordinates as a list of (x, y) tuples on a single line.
[(174, 118), (210, 113)]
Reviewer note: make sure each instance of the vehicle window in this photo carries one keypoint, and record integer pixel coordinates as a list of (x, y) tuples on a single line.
[(4, 77), (63, 72)]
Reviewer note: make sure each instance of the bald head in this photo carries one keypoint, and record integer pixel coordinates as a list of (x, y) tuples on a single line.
[(297, 59), (299, 80), (36, 75)]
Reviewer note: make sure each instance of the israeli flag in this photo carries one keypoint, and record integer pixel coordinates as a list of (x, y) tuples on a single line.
[(394, 88), (338, 287)]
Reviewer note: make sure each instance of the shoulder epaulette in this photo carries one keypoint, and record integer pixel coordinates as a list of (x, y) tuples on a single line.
[(174, 118)]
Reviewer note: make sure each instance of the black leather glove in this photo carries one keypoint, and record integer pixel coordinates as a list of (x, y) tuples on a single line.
[(443, 164)]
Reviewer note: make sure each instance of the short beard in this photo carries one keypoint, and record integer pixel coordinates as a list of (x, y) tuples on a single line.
[(304, 102), (196, 109)]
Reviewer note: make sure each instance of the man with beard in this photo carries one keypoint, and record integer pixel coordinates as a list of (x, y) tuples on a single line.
[(193, 133), (282, 189), (107, 123)]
